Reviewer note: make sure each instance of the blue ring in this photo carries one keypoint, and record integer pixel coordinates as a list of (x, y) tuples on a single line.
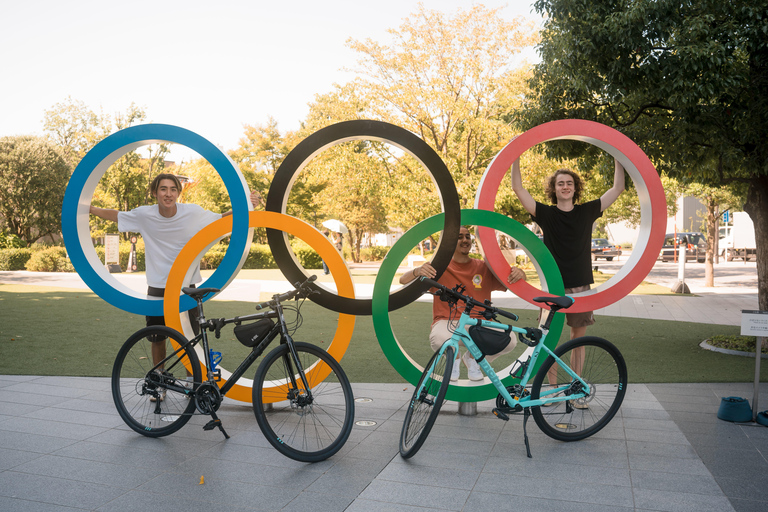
[(77, 200)]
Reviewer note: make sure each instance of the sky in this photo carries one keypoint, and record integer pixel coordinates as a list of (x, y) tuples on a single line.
[(208, 68)]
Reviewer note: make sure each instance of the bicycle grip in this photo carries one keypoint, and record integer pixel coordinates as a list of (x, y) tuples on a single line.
[(511, 316), (431, 282)]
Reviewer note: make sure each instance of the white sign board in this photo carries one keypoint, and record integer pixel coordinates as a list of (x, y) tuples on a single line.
[(111, 249), (754, 323)]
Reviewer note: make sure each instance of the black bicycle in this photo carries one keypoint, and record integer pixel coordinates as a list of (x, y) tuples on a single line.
[(302, 398)]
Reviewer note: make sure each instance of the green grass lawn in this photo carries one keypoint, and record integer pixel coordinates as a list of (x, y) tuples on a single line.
[(56, 331)]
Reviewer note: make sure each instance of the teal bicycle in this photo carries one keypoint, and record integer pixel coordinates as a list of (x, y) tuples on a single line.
[(577, 390)]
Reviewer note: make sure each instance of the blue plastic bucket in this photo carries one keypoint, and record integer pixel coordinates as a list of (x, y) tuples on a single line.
[(734, 408)]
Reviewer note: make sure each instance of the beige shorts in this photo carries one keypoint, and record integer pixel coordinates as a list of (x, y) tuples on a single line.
[(583, 319), (442, 330)]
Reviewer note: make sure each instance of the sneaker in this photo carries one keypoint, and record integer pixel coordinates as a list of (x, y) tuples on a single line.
[(473, 369), (189, 384), (456, 370), (580, 404), (551, 404)]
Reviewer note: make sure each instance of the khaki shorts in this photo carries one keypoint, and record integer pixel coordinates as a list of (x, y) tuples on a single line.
[(579, 319)]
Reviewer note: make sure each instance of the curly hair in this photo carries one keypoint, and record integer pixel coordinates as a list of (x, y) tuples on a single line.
[(160, 177), (578, 185)]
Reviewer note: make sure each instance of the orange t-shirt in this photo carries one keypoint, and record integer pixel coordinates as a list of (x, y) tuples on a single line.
[(478, 280)]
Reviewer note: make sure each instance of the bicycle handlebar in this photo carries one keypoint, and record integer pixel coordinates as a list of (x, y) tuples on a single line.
[(300, 290), (456, 296)]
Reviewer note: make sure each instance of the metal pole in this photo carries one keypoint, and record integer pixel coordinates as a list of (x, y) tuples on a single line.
[(758, 356)]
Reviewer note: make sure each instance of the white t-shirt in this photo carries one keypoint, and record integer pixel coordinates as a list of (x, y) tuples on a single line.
[(164, 237)]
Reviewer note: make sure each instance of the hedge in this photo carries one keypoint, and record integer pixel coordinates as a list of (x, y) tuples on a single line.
[(14, 259), (54, 259), (51, 259), (374, 253)]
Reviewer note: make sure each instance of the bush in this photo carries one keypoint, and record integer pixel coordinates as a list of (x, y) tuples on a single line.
[(14, 259), (375, 253), (260, 256), (11, 241), (307, 256), (51, 259)]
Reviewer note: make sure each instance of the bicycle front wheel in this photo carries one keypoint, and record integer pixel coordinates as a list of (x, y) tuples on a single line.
[(426, 402), (308, 425), (602, 367), (154, 399)]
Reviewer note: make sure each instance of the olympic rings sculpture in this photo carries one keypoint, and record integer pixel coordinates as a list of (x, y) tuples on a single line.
[(84, 180)]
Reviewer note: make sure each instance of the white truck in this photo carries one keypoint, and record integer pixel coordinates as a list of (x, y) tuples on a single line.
[(738, 241)]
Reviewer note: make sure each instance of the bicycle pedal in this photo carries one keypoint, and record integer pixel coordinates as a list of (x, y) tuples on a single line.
[(500, 415), (217, 375), (212, 425)]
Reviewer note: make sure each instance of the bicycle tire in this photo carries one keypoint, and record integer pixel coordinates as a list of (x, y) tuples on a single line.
[(307, 432), (603, 369), (425, 405), (133, 388)]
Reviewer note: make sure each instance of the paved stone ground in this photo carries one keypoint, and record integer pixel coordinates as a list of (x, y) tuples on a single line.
[(63, 447)]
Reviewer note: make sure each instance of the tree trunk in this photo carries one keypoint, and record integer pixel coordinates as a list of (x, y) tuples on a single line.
[(356, 245), (712, 234), (757, 198)]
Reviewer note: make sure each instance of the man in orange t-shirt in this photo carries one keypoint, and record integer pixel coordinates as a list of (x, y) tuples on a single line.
[(479, 282)]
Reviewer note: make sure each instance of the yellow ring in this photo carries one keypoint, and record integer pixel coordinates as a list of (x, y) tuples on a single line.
[(199, 244)]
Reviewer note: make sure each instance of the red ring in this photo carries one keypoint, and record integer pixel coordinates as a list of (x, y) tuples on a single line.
[(649, 190)]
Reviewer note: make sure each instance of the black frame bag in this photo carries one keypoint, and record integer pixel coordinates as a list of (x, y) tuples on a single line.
[(251, 334), (489, 341)]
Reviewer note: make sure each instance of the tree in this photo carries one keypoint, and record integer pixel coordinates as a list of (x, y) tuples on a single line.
[(687, 80), (262, 148), (349, 178), (76, 128), (716, 200), (33, 177), (450, 80)]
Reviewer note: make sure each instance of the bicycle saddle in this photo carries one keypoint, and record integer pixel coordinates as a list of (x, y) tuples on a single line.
[(556, 303), (199, 293)]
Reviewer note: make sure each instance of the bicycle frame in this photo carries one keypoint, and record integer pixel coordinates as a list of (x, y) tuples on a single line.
[(460, 334), (279, 329)]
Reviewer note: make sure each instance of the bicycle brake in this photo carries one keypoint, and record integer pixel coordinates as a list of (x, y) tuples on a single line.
[(532, 336)]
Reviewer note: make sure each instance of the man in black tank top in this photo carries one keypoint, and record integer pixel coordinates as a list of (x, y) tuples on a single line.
[(567, 228)]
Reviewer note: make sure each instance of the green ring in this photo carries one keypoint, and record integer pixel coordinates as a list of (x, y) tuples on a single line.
[(394, 352)]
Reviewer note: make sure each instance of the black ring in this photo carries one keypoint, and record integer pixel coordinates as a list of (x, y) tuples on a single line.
[(355, 130)]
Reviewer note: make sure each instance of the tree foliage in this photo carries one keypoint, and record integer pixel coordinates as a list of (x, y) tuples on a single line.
[(451, 80), (75, 128), (33, 177), (686, 80)]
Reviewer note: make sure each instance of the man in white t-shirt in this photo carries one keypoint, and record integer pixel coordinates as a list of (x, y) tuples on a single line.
[(166, 227)]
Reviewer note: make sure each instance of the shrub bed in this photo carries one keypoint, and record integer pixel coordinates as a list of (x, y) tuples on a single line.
[(14, 259)]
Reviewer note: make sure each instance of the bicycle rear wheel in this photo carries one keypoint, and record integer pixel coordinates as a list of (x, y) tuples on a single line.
[(605, 372), (426, 402), (305, 425), (155, 403)]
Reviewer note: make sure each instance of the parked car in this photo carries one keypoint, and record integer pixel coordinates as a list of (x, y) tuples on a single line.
[(602, 248), (695, 243)]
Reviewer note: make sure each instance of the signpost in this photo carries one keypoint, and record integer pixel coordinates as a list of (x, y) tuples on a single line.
[(132, 267), (755, 323), (112, 253)]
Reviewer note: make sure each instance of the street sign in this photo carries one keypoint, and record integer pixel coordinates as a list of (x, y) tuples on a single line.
[(726, 216), (754, 323)]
